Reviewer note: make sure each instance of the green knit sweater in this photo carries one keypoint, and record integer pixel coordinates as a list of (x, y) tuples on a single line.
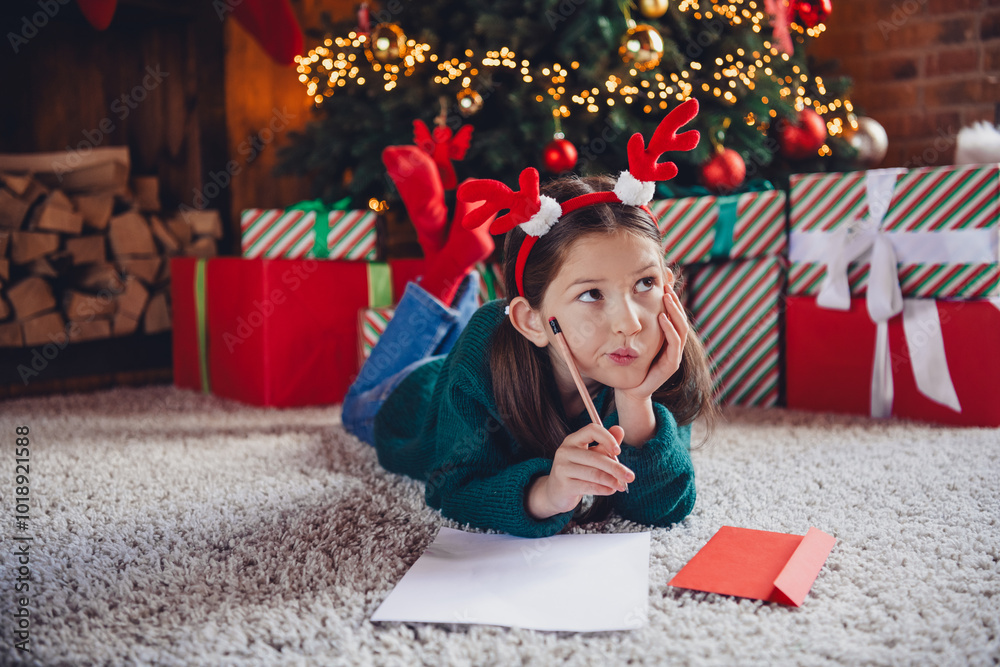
[(440, 425)]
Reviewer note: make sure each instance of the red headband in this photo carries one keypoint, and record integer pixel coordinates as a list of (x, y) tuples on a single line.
[(536, 213)]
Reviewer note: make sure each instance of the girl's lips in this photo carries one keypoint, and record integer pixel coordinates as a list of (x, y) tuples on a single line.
[(623, 356)]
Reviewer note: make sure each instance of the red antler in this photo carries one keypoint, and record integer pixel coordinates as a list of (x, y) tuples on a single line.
[(642, 161), (498, 197)]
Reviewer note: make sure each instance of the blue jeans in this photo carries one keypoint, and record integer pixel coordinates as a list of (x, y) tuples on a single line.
[(421, 329)]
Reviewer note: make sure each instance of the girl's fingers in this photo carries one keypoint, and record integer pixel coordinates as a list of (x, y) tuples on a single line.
[(675, 310), (606, 442), (680, 321), (675, 327), (669, 330), (595, 467), (585, 474), (591, 489), (673, 349)]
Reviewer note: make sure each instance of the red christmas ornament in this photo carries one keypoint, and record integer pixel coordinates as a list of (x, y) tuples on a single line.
[(814, 126), (98, 12), (804, 138), (813, 12), (559, 155), (724, 172)]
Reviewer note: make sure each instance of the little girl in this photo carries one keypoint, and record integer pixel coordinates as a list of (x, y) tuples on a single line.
[(479, 403)]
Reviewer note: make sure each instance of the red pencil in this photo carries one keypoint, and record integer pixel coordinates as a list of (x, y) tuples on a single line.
[(575, 372)]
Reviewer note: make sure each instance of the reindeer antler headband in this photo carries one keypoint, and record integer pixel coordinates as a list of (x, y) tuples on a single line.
[(536, 213)]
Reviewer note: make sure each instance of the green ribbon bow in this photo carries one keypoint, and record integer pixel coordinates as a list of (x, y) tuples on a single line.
[(725, 225), (321, 227)]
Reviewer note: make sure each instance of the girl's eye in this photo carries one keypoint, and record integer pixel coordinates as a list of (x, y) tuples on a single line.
[(590, 296), (645, 284)]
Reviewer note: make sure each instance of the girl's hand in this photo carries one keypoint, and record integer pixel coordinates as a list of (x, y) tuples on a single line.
[(579, 470), (675, 328)]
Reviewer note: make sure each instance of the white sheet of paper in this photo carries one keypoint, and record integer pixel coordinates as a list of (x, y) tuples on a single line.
[(578, 583)]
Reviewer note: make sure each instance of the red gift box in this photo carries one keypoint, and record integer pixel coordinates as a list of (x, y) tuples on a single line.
[(271, 331), (830, 356)]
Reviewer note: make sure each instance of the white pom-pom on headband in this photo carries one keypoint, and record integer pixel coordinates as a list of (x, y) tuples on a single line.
[(630, 190), (549, 212), (536, 213)]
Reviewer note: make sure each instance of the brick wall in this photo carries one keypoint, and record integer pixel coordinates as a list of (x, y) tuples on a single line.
[(922, 68)]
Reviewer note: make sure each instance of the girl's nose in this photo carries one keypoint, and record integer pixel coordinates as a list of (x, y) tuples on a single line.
[(626, 319)]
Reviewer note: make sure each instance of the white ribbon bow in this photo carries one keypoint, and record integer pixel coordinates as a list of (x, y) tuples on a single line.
[(921, 323)]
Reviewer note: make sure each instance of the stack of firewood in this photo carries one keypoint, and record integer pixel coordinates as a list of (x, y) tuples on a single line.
[(82, 264)]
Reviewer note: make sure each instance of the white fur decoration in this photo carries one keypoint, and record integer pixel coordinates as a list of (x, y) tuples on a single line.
[(542, 221), (632, 191), (978, 144)]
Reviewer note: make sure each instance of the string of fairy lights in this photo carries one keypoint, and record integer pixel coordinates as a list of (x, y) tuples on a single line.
[(384, 55)]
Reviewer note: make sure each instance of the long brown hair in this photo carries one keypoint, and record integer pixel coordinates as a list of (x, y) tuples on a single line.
[(523, 380)]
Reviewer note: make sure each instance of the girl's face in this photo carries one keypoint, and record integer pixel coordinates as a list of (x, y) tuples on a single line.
[(607, 296)]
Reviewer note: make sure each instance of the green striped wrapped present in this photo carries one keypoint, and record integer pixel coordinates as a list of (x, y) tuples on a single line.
[(490, 282), (372, 323), (736, 309), (699, 229), (942, 225), (296, 234)]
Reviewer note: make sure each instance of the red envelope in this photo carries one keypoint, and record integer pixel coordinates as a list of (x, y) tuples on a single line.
[(776, 567)]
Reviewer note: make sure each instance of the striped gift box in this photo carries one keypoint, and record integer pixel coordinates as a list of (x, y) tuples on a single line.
[(490, 282), (736, 309), (943, 222), (688, 226), (291, 234), (371, 325)]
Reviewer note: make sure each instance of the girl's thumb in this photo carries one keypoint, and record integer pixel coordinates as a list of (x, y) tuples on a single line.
[(618, 432)]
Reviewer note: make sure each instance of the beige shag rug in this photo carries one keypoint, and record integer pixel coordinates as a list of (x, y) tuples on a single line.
[(173, 528)]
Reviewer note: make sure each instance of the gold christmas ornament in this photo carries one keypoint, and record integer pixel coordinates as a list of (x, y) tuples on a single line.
[(653, 9), (642, 47), (869, 139), (469, 101), (386, 43)]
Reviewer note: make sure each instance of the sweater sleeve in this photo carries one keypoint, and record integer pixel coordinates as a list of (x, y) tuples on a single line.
[(663, 492), (476, 479)]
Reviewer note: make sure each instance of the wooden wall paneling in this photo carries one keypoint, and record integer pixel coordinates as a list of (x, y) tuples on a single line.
[(255, 88), (206, 54)]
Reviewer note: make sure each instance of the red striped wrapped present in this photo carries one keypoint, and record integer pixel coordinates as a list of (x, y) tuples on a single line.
[(371, 325), (699, 229), (937, 229), (735, 307), (300, 234)]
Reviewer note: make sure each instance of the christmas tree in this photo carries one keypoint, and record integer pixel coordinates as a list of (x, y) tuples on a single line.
[(540, 81)]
